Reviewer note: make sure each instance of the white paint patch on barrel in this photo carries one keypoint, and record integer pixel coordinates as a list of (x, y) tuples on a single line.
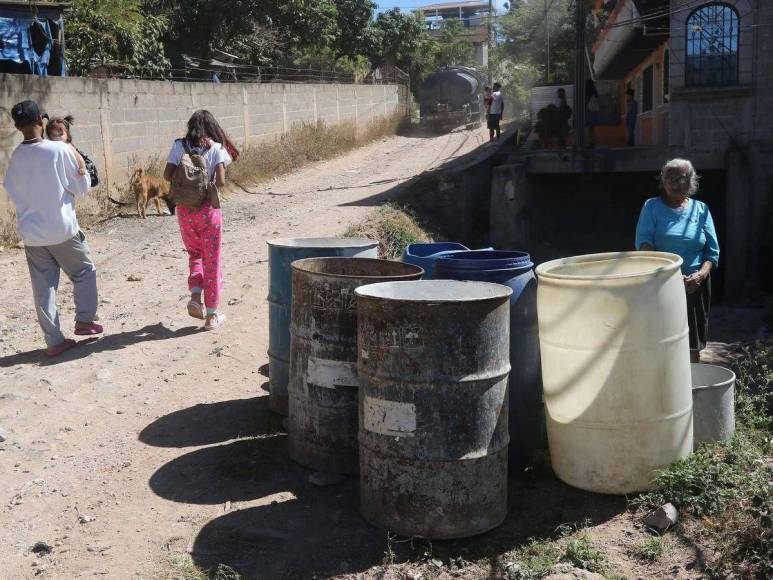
[(389, 417), (331, 373)]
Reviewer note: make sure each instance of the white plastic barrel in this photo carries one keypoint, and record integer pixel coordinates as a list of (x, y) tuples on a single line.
[(615, 368)]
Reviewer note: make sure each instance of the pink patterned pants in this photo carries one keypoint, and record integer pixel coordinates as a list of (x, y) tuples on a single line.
[(201, 231)]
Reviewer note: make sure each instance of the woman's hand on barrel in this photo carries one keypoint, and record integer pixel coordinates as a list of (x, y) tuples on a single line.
[(693, 281)]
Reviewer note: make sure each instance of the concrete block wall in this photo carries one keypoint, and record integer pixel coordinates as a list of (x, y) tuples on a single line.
[(120, 123)]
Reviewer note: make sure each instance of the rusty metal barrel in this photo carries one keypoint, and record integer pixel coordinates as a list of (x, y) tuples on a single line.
[(433, 363), (323, 387), (282, 253)]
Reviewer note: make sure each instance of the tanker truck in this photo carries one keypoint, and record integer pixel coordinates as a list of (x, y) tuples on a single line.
[(450, 97)]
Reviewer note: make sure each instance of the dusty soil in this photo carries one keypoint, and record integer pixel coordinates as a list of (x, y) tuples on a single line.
[(154, 443), (138, 433)]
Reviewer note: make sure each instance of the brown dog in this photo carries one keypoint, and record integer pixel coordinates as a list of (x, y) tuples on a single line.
[(147, 187)]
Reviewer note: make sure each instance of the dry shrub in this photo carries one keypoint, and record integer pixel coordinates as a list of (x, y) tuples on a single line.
[(305, 143), (8, 235), (394, 227)]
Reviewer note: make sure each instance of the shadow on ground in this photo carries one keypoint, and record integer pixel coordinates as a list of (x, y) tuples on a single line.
[(298, 530), (209, 423), (320, 533), (108, 342)]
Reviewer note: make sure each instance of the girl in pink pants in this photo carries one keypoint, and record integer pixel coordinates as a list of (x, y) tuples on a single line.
[(201, 228)]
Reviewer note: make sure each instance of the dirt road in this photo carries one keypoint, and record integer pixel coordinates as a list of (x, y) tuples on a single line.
[(117, 454)]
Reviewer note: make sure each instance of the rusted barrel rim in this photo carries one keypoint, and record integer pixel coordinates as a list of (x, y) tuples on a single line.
[(322, 242), (331, 267), (434, 291), (670, 262)]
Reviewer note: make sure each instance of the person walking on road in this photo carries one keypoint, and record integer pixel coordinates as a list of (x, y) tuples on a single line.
[(43, 179), (201, 226), (495, 111)]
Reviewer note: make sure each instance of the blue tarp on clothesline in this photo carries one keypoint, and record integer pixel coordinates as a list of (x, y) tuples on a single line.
[(27, 43)]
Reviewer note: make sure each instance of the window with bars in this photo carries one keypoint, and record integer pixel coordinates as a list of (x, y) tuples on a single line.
[(712, 46)]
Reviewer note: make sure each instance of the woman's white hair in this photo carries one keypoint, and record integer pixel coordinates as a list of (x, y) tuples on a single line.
[(680, 165)]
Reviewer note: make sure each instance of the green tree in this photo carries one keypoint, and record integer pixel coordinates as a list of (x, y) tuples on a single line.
[(117, 34), (245, 28), (453, 49), (402, 39), (523, 37), (353, 35), (264, 32)]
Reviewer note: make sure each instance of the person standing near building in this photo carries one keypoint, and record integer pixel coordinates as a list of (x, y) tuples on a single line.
[(675, 222), (43, 180), (495, 110), (631, 114)]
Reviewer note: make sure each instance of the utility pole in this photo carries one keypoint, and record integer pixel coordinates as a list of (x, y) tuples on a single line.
[(579, 74), (490, 34), (547, 44)]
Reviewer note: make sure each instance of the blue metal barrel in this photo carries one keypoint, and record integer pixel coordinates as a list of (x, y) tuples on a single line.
[(515, 270), (281, 254)]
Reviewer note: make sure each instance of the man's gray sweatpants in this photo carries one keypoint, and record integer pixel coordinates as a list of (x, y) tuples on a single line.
[(44, 263)]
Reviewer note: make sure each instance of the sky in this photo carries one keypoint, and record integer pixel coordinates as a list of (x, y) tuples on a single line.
[(407, 5)]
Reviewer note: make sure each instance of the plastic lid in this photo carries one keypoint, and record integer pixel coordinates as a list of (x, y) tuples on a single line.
[(486, 260), (609, 266), (434, 291)]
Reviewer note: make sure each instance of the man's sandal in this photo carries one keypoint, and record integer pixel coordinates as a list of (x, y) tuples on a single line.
[(66, 344)]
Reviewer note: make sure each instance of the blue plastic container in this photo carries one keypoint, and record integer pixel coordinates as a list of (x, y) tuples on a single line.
[(425, 255), (513, 269), (282, 253)]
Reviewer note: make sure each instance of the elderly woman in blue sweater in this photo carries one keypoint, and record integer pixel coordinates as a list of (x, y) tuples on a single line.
[(675, 222)]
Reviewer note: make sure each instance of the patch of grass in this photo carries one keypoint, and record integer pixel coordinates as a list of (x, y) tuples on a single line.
[(730, 487), (650, 549), (754, 388), (181, 567), (581, 553), (305, 143), (394, 227), (533, 560)]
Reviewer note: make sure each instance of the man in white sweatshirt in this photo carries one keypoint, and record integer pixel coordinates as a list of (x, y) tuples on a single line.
[(42, 181)]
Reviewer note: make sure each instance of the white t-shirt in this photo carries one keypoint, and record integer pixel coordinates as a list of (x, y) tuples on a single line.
[(42, 181), (496, 103), (215, 155)]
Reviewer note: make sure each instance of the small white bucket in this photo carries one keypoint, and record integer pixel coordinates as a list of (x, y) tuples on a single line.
[(713, 403)]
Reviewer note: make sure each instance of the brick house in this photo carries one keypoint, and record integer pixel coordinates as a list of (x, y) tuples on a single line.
[(702, 72)]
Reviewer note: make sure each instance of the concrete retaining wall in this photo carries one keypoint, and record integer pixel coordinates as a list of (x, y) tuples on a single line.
[(122, 122)]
